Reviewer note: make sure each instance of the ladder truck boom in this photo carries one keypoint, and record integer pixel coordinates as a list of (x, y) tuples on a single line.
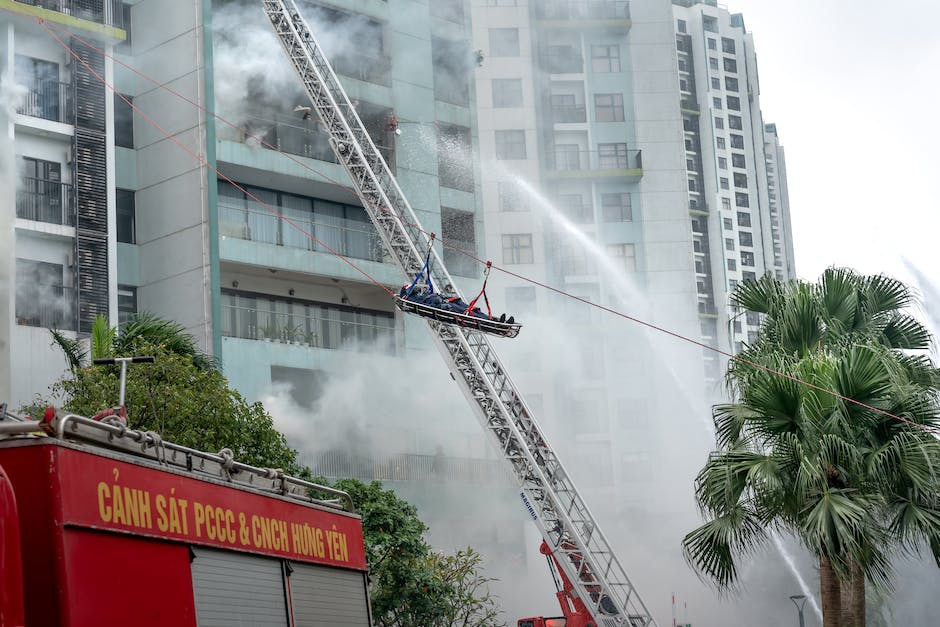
[(579, 548)]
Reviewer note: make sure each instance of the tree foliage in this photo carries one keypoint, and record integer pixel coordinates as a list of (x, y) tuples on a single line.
[(852, 483)]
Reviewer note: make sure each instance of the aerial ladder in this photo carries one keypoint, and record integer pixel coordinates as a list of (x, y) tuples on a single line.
[(594, 590)]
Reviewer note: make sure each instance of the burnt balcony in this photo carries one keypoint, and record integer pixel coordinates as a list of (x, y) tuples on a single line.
[(46, 201), (583, 10), (107, 12), (48, 100), (46, 306), (568, 114)]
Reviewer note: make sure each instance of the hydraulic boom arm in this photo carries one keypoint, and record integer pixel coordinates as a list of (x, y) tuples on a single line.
[(566, 524)]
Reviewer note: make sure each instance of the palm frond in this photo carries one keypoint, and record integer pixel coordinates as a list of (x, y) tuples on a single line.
[(884, 294), (102, 338), (72, 348), (906, 332), (761, 296), (711, 549), (837, 291), (171, 335)]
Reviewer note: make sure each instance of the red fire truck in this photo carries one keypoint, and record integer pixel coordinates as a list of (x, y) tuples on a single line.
[(101, 525)]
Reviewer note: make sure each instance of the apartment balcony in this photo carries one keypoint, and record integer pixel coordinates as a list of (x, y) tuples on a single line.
[(49, 100), (307, 324), (292, 135), (40, 200), (562, 60), (569, 114), (363, 67), (602, 163), (351, 238), (100, 11), (407, 467), (46, 306), (578, 13)]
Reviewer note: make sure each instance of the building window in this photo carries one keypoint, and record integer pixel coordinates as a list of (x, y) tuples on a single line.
[(737, 160), (748, 276), (747, 259), (683, 66), (605, 59), (127, 302), (616, 207), (510, 144), (712, 63), (716, 83), (125, 46), (729, 243), (734, 122), (517, 248), (741, 199), (504, 42), (712, 44), (728, 224), (689, 125), (740, 179), (681, 26), (693, 185), (726, 203), (727, 45), (719, 123), (734, 103), (608, 107), (722, 163), (451, 71), (567, 157), (454, 161), (45, 96), (746, 238), (723, 183), (574, 207), (123, 122), (737, 141), (126, 213), (626, 253), (716, 103), (730, 65), (731, 83), (732, 265), (744, 219), (690, 165), (507, 93), (720, 143), (458, 230), (512, 197), (612, 156), (42, 300), (41, 195)]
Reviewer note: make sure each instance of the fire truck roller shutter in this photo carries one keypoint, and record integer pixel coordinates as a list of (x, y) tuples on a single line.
[(234, 589), (322, 596)]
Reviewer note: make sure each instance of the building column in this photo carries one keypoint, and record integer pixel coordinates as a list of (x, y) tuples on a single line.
[(7, 212)]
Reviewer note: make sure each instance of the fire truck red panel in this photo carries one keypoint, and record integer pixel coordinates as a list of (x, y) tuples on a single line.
[(117, 580), (103, 493)]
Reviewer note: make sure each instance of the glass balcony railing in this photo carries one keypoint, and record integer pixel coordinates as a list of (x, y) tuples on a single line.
[(584, 10), (49, 100), (45, 201), (350, 238), (47, 306), (582, 160), (565, 114), (307, 324), (100, 11)]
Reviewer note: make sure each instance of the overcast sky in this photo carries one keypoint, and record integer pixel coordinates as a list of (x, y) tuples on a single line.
[(854, 87)]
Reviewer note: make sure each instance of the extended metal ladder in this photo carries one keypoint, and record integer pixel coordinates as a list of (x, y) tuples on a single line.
[(549, 495)]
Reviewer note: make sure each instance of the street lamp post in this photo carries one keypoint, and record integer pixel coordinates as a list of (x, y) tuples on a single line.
[(799, 601)]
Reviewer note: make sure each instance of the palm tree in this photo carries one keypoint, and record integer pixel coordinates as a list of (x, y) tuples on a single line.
[(141, 328), (853, 484)]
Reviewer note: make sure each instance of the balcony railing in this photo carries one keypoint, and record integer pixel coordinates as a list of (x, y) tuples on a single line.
[(49, 100), (350, 238), (584, 10), (290, 134), (45, 201), (566, 114), (583, 160), (371, 69), (101, 11), (407, 467), (47, 306), (307, 324), (565, 61)]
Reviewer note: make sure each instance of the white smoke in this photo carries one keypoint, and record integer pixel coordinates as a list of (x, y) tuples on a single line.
[(12, 94)]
